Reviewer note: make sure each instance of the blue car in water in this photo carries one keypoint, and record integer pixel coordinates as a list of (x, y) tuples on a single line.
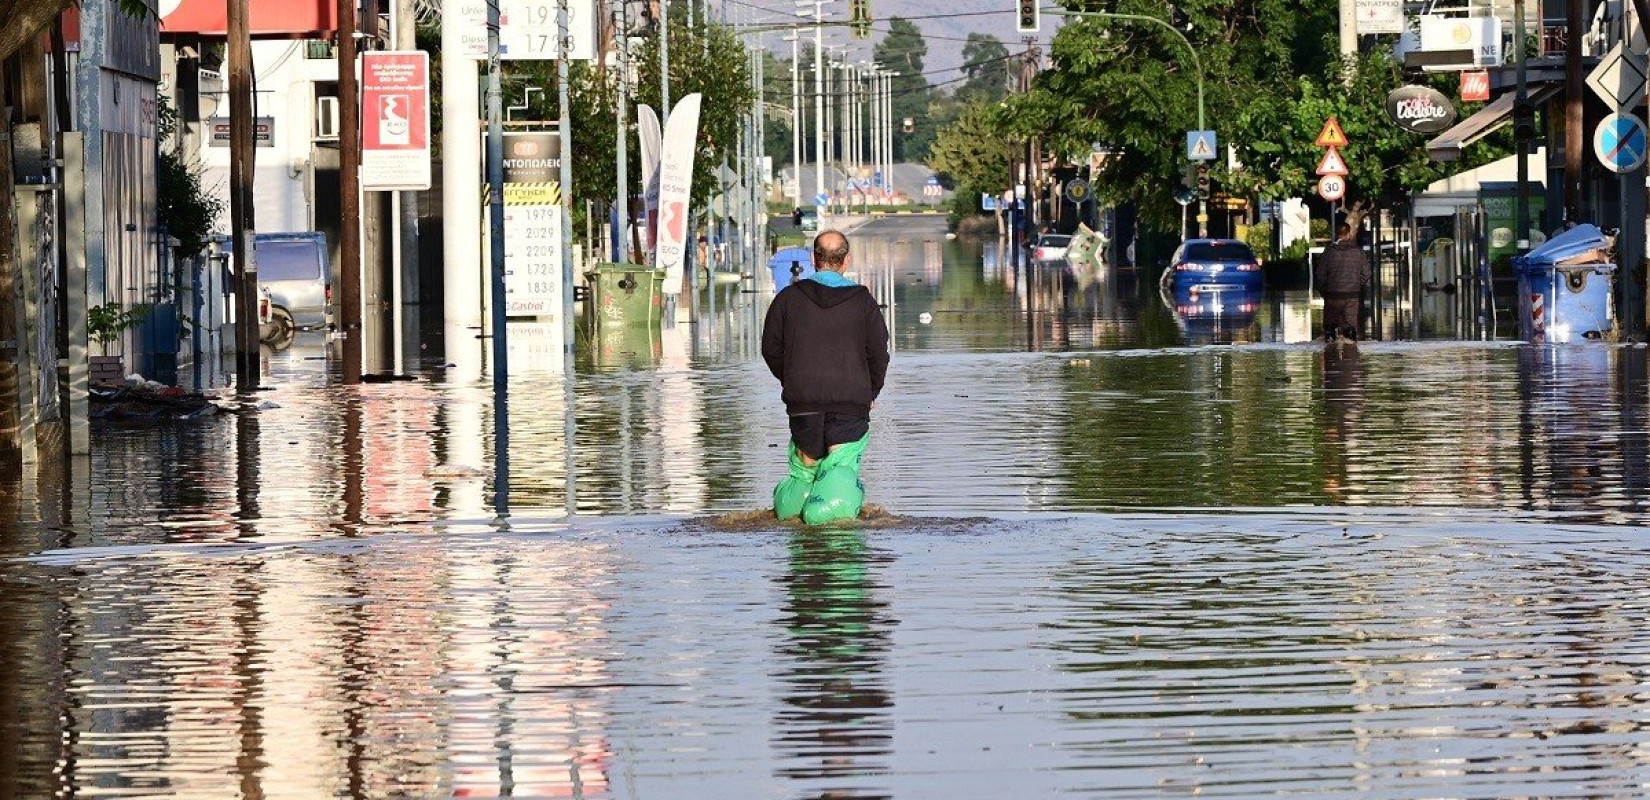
[(1213, 265)]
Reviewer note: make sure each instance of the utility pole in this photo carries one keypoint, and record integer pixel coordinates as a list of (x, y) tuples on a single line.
[(1574, 176), (796, 122), (873, 76), (564, 127), (349, 188), (819, 97), (621, 194), (888, 130), (242, 156), (405, 214), (1349, 28), (461, 188), (1522, 128), (664, 61), (495, 252), (829, 144)]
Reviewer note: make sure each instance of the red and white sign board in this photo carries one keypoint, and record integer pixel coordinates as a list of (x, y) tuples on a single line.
[(395, 121), (1475, 86), (1332, 163), (1332, 187), (1331, 135)]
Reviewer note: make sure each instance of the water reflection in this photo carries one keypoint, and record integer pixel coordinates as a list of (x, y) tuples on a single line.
[(1216, 317), (834, 730)]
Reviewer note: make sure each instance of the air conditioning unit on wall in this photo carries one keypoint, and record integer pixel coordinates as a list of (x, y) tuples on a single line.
[(326, 119)]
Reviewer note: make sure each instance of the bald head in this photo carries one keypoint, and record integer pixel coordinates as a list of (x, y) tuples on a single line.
[(830, 250)]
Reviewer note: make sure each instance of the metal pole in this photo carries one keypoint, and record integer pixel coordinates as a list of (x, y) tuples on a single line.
[(495, 232), (405, 217), (664, 61), (349, 180), (1575, 177), (888, 133), (796, 124), (1521, 135), (461, 182), (564, 126), (830, 125), (819, 98), (242, 155), (621, 193)]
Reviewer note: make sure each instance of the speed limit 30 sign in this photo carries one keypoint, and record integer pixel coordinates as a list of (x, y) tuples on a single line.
[(1332, 187)]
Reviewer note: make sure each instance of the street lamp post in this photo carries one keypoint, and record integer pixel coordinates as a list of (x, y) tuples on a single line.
[(819, 90), (796, 128), (1202, 204)]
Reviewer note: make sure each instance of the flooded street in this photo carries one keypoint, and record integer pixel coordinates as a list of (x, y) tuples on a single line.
[(1135, 546)]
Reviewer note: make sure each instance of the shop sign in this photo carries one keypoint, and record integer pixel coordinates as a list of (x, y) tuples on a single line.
[(1420, 109)]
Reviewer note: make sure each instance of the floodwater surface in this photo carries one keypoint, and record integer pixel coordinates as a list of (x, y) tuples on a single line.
[(1118, 557)]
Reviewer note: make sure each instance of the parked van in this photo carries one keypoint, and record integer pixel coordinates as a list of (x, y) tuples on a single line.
[(293, 276)]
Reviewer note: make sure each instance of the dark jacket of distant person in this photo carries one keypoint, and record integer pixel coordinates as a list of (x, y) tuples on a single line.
[(1343, 269), (827, 345)]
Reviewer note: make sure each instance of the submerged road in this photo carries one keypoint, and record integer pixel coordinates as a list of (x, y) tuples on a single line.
[(1121, 561)]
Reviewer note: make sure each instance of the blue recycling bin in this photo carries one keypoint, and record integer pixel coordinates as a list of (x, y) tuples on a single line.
[(791, 264), (1566, 302)]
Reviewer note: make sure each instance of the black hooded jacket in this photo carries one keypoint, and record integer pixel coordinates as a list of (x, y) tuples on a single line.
[(1343, 269), (828, 347)]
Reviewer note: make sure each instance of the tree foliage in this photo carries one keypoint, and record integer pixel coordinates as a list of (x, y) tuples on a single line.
[(1272, 76), (712, 60), (903, 51), (704, 58), (971, 154), (985, 62)]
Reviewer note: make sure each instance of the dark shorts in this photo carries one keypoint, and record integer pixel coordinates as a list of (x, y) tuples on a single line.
[(1340, 314), (816, 434)]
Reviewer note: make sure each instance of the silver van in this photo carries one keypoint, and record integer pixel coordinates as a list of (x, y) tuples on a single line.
[(293, 275)]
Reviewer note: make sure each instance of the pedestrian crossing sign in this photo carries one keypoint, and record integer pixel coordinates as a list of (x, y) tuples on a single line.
[(1200, 145), (1331, 135)]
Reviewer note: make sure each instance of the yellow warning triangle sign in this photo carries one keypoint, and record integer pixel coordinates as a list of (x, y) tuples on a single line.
[(1331, 135), (1332, 163)]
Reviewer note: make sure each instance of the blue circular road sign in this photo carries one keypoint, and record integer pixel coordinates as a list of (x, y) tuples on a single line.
[(1620, 142)]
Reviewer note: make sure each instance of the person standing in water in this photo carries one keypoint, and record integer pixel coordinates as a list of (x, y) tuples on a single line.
[(825, 340), (1342, 274)]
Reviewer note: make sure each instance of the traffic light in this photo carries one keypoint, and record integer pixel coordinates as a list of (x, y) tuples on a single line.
[(1203, 182), (859, 19), (1030, 16), (909, 126)]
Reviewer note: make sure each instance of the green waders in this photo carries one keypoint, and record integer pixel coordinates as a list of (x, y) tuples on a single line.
[(825, 492)]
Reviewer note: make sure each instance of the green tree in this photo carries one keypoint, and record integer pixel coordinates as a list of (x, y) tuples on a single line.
[(712, 60), (776, 100), (1276, 141), (704, 58), (985, 62), (1272, 77), (903, 51), (1132, 85), (973, 156)]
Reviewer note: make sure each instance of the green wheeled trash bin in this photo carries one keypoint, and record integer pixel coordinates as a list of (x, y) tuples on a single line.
[(624, 295), (626, 307)]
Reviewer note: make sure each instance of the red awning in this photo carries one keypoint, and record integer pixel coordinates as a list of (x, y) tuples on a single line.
[(270, 19)]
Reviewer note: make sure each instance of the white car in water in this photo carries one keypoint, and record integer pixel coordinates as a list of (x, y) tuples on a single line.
[(1050, 247)]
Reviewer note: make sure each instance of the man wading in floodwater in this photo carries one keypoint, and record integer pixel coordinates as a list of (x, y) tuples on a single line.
[(1343, 272), (826, 342)]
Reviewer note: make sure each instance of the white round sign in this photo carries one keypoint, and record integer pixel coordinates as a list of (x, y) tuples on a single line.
[(1332, 187)]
